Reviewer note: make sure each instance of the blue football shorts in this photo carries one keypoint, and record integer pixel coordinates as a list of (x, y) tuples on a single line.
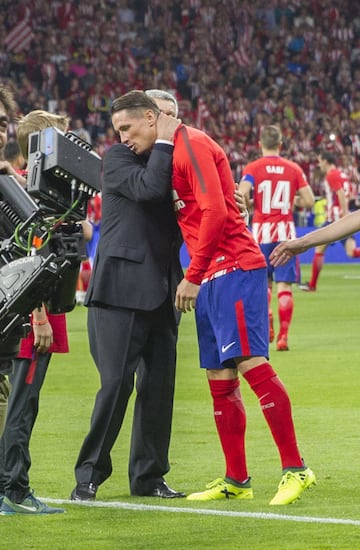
[(287, 273), (232, 318)]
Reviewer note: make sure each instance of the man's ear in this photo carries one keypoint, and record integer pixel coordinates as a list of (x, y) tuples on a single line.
[(151, 117)]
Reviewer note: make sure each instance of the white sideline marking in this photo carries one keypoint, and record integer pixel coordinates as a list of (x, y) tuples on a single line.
[(202, 511)]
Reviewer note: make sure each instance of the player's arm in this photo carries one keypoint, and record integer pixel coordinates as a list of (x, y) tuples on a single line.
[(243, 189), (304, 198), (342, 202), (186, 294), (205, 184), (244, 203)]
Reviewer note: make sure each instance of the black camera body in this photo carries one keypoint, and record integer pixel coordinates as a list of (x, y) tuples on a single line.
[(41, 239), (62, 170)]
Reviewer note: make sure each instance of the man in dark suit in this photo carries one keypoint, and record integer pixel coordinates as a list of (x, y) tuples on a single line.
[(132, 321)]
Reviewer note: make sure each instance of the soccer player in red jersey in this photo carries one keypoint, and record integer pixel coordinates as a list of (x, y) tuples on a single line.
[(276, 185), (226, 284), (337, 192)]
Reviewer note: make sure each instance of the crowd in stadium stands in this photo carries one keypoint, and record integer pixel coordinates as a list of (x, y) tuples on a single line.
[(234, 66)]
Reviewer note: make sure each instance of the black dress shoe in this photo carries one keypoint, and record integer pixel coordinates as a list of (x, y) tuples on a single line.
[(162, 490), (84, 491)]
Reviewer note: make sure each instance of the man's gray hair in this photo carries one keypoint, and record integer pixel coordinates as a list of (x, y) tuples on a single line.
[(167, 96)]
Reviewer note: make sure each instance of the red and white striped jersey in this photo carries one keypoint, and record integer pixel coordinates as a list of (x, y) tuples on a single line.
[(334, 180), (19, 38), (275, 182)]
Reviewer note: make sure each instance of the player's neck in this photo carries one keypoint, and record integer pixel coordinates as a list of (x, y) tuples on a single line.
[(270, 153)]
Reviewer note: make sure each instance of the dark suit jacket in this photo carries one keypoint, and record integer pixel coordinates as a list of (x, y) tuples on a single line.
[(137, 261)]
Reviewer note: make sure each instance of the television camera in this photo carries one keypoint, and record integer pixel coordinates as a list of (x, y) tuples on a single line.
[(41, 239)]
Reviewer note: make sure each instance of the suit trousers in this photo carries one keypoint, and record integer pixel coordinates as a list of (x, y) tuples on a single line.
[(26, 381), (123, 343)]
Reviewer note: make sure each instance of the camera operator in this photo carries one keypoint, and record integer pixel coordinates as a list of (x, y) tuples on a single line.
[(7, 106), (48, 335)]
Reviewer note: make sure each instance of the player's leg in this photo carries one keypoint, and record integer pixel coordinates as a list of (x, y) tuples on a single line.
[(285, 276), (316, 267), (273, 397), (266, 250), (271, 317), (228, 407)]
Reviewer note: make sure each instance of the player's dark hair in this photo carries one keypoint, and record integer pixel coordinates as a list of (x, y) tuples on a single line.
[(136, 100), (328, 156)]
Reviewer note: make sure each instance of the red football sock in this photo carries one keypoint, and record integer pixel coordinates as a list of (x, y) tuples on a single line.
[(285, 310), (85, 273), (317, 264), (230, 419), (276, 408)]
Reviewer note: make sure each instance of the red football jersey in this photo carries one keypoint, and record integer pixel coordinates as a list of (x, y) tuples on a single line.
[(203, 192), (334, 180), (275, 182)]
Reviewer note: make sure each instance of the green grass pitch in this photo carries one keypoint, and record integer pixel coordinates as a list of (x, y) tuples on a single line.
[(322, 374)]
